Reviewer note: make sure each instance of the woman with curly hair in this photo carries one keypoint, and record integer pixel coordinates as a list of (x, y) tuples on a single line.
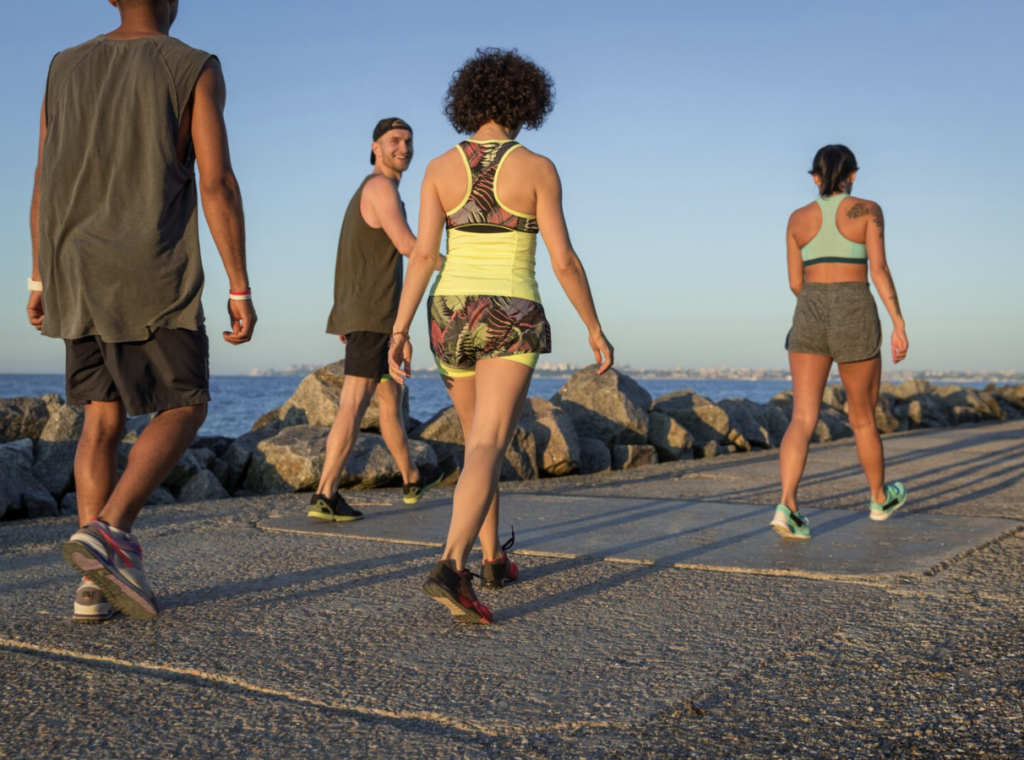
[(487, 325), (830, 243)]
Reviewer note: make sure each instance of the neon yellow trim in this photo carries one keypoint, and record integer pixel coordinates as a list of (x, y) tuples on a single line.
[(385, 378), (530, 360), (497, 171), (455, 372), (469, 182)]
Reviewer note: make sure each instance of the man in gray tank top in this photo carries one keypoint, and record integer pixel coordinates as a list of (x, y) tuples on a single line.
[(367, 289), (117, 273)]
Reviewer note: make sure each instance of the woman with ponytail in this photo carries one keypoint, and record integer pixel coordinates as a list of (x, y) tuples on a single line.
[(832, 245)]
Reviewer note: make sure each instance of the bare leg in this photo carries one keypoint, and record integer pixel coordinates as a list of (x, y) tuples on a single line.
[(153, 457), (501, 388), (96, 457), (356, 393), (861, 380), (462, 391), (392, 428), (810, 373)]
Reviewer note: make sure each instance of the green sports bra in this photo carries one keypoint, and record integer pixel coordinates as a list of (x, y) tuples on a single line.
[(829, 245)]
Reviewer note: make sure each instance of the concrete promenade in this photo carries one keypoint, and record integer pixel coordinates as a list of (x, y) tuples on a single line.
[(657, 616)]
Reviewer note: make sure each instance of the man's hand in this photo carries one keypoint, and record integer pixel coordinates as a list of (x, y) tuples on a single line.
[(243, 320), (35, 309)]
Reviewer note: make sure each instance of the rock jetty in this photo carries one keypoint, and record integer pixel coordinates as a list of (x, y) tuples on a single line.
[(592, 424)]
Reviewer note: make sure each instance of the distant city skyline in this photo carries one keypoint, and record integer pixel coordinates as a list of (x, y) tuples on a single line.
[(682, 132)]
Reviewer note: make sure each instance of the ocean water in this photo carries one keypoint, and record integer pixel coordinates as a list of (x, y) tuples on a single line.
[(238, 401)]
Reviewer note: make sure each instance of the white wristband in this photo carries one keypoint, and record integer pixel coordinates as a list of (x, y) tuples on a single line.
[(36, 286), (246, 297)]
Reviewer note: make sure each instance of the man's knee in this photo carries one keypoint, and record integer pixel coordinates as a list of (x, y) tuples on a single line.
[(187, 416), (356, 394), (104, 423)]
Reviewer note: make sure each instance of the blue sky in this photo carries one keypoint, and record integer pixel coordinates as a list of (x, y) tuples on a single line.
[(682, 130)]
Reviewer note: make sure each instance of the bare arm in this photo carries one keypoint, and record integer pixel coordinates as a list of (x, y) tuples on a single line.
[(882, 278), (222, 198), (566, 264), (382, 195), (35, 298), (422, 263), (794, 261)]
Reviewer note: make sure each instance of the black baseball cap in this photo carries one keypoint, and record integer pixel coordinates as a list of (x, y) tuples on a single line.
[(386, 125)]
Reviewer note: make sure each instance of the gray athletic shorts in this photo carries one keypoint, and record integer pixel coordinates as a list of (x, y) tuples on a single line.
[(837, 319)]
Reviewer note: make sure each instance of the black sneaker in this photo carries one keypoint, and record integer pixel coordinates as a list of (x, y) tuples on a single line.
[(455, 591), (496, 573), (430, 477), (333, 509)]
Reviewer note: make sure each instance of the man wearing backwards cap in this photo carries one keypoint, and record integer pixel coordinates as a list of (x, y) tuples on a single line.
[(118, 276), (367, 289)]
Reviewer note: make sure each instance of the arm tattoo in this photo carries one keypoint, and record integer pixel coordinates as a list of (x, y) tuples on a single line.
[(876, 216), (858, 210), (892, 287)]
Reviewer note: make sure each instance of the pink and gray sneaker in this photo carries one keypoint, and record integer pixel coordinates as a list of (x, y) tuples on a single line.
[(112, 560), (91, 605)]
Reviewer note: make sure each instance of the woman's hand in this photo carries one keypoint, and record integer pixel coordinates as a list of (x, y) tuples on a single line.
[(900, 344), (604, 352), (399, 354)]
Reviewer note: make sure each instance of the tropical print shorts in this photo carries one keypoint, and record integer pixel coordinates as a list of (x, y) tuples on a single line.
[(466, 329)]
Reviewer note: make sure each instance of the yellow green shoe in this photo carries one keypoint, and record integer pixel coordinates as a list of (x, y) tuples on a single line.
[(895, 497), (333, 509), (789, 524), (430, 476)]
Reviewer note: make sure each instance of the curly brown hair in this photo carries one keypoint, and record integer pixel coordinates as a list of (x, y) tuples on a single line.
[(502, 86)]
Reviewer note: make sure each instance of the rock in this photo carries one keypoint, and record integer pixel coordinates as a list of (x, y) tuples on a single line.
[(745, 425), (1009, 410), (711, 449), (160, 496), (22, 417), (69, 504), (1012, 394), (184, 470), (835, 397), (706, 421), (236, 459), (908, 389), (290, 461), (671, 440), (134, 426), (203, 486), (885, 418), (594, 456), (218, 444), (772, 419), (972, 405), (21, 495), (203, 455), (928, 411), (628, 457), (837, 423), (371, 465), (219, 468), (784, 403), (520, 461), (610, 407), (316, 401), (558, 446), (65, 424), (443, 432), (54, 465)]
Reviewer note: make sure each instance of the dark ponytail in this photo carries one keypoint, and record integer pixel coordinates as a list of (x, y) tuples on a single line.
[(833, 164)]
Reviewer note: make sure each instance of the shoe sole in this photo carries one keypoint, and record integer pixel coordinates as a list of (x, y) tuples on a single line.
[(92, 619), (439, 593), (785, 532), (882, 516), (410, 500), (119, 592), (332, 518)]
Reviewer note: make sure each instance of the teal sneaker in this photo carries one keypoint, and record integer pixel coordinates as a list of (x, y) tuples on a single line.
[(789, 524), (895, 497)]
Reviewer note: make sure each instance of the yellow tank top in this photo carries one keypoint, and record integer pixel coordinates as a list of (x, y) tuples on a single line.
[(492, 250)]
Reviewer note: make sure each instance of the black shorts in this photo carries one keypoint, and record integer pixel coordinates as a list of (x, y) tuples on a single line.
[(366, 355), (169, 370)]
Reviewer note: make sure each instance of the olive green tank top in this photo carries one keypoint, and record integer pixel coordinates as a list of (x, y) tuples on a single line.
[(118, 227), (829, 245), (367, 276)]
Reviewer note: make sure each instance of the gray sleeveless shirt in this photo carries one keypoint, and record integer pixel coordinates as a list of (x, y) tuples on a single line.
[(118, 228), (367, 275)]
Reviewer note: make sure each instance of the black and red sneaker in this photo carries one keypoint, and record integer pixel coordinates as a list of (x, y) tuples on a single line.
[(495, 573), (455, 591)]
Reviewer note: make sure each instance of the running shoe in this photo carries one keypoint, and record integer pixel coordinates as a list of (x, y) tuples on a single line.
[(455, 591), (429, 477), (91, 605), (496, 573), (333, 509), (895, 497), (112, 559), (790, 524)]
